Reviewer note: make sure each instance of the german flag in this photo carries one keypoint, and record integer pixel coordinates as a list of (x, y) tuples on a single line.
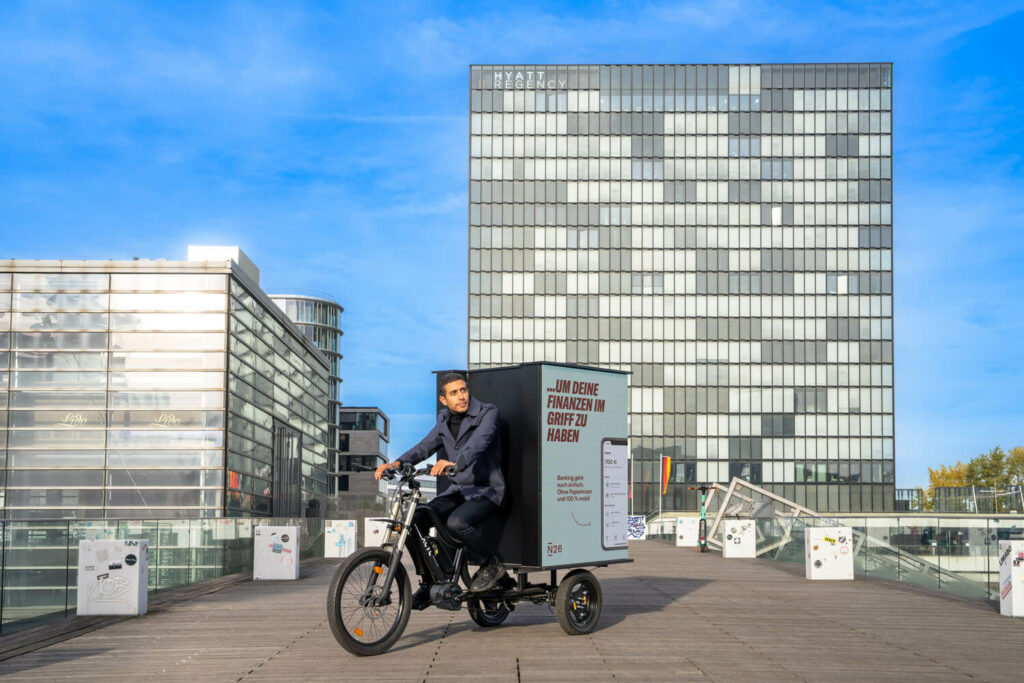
[(666, 472)]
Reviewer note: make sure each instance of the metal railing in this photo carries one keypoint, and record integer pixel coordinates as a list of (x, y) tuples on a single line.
[(39, 559)]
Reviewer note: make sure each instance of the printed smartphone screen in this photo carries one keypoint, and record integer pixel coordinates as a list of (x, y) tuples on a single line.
[(614, 492)]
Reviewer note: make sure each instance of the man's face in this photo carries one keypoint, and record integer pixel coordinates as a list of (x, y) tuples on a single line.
[(456, 396)]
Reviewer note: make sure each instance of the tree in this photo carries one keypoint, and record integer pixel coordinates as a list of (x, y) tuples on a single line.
[(996, 470), (988, 470), (946, 475), (1015, 466)]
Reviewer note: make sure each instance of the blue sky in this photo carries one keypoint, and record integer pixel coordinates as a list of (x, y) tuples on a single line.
[(330, 143)]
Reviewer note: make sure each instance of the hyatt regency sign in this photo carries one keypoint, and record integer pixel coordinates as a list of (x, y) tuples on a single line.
[(528, 80)]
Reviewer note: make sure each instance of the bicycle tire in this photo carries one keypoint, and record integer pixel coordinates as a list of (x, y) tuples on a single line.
[(578, 602), (347, 620)]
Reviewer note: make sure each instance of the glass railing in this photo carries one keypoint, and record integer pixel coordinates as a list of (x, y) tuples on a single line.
[(955, 554), (947, 552), (944, 552), (39, 567)]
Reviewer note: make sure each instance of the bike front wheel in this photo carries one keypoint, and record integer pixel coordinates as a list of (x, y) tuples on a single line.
[(364, 619)]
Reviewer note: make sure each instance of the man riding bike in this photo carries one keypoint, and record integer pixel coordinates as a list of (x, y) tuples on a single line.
[(467, 430)]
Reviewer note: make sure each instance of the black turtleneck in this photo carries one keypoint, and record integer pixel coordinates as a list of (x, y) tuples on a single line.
[(454, 423)]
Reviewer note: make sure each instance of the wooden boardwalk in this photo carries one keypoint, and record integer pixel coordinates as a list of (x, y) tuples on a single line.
[(672, 615)]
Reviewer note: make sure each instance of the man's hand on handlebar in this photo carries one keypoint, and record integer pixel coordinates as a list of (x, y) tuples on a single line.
[(386, 466), (441, 467)]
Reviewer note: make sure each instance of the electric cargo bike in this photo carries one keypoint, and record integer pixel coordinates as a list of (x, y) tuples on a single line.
[(369, 601)]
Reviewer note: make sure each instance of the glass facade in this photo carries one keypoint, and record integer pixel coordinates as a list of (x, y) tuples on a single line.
[(320, 320), (113, 397), (724, 232), (277, 455)]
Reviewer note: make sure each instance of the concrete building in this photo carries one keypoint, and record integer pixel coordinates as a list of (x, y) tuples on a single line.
[(363, 436)]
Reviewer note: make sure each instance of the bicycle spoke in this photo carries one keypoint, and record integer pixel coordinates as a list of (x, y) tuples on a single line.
[(372, 622)]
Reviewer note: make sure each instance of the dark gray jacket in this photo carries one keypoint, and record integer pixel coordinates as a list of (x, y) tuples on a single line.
[(475, 450)]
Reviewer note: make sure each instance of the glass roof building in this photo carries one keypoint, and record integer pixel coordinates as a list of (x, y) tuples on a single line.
[(724, 232), (153, 389)]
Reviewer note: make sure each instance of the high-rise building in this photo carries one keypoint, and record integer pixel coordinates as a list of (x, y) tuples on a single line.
[(724, 232), (154, 389)]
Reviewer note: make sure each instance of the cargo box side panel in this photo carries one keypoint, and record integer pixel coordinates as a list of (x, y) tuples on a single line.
[(516, 391), (581, 410)]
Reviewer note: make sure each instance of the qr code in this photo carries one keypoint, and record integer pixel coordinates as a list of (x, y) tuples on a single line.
[(636, 527)]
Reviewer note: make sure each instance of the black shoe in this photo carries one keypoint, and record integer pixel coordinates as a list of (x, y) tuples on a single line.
[(487, 576), (421, 598)]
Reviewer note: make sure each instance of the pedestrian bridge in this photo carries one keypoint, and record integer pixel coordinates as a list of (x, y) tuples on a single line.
[(673, 614)]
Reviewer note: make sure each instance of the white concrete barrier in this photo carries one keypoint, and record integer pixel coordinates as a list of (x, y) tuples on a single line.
[(739, 538), (1011, 578), (828, 553), (113, 577), (373, 531), (339, 537), (687, 532), (275, 553)]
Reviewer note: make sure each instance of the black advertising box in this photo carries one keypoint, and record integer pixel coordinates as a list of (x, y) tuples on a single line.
[(564, 431)]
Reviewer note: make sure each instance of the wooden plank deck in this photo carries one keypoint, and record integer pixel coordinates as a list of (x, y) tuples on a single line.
[(672, 615)]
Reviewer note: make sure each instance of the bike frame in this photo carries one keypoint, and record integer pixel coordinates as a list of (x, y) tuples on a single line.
[(410, 500)]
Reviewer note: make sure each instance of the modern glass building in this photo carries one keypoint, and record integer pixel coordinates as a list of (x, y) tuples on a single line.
[(724, 232), (356, 436), (150, 389), (320, 320)]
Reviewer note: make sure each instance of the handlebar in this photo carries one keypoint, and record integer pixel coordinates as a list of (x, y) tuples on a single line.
[(408, 472)]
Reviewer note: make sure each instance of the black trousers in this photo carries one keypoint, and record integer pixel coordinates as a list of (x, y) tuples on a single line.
[(463, 519)]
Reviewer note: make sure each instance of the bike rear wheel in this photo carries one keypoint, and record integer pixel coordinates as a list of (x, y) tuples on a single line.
[(363, 619), (578, 602)]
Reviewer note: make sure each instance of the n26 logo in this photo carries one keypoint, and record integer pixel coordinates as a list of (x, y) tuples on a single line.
[(554, 549)]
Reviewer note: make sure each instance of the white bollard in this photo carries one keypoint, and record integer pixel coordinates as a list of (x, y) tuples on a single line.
[(339, 537), (275, 553), (113, 577), (1011, 578), (374, 529), (739, 538), (687, 532), (828, 553)]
